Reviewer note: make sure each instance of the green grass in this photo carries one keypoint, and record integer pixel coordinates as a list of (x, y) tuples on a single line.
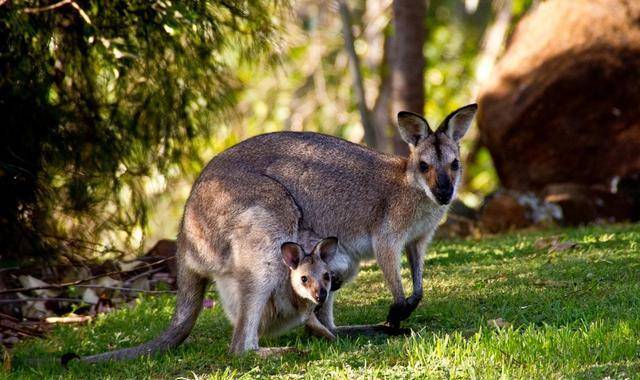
[(573, 314)]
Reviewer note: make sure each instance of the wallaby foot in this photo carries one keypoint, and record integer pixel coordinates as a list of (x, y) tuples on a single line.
[(402, 310), (266, 352), (382, 329), (315, 327)]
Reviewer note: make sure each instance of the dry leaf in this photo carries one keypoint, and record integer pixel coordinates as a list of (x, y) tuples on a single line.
[(498, 323), (141, 283), (33, 309), (564, 246), (32, 282), (129, 265), (553, 244), (90, 296)]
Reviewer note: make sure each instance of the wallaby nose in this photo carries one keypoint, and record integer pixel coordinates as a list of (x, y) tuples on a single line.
[(322, 295), (443, 196), (443, 190)]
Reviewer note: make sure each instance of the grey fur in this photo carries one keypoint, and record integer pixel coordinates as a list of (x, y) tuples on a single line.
[(263, 192)]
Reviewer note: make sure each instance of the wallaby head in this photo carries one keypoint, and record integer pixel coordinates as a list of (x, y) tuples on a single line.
[(310, 276), (434, 157)]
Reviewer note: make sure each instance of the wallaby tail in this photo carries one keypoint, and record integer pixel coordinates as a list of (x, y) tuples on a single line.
[(191, 289)]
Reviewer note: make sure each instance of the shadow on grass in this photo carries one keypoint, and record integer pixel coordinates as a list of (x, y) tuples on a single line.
[(511, 279)]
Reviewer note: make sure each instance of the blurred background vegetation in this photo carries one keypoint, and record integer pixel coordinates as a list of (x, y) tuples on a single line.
[(110, 109)]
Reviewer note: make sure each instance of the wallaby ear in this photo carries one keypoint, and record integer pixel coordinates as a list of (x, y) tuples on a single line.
[(292, 253), (327, 248), (413, 127), (458, 121)]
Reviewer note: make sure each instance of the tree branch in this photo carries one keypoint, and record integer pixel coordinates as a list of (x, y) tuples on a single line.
[(59, 4), (358, 83), (48, 7)]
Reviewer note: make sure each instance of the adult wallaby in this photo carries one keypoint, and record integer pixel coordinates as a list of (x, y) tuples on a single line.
[(374, 203), (257, 195), (292, 302)]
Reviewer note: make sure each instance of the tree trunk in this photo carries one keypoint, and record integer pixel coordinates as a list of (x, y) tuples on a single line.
[(356, 72), (408, 63)]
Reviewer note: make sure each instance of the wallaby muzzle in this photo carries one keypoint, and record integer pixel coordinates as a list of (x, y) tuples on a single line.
[(321, 296), (443, 192)]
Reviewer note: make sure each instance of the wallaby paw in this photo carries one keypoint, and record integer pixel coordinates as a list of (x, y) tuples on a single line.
[(388, 329), (382, 329), (400, 311), (66, 358), (266, 352)]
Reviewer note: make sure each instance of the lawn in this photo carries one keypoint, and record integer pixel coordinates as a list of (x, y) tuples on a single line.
[(571, 313)]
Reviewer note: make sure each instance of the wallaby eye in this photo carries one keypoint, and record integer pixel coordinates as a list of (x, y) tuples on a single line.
[(327, 277), (424, 166), (455, 165), (304, 279)]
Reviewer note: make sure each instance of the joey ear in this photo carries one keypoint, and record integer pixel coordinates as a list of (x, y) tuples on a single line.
[(327, 248), (292, 253), (413, 127), (458, 121)]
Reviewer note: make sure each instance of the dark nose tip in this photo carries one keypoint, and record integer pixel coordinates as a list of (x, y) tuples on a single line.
[(443, 196), (322, 296)]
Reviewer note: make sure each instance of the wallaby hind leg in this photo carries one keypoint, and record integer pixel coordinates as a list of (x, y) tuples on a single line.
[(245, 331), (318, 329)]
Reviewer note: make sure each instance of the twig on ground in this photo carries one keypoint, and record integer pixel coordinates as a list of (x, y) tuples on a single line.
[(141, 275), (36, 299), (128, 289), (14, 326), (518, 362), (77, 282), (71, 319)]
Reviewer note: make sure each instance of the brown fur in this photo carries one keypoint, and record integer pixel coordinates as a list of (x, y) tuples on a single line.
[(265, 191)]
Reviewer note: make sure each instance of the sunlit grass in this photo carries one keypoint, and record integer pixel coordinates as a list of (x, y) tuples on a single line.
[(572, 314)]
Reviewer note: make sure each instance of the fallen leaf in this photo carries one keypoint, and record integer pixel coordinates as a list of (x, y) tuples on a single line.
[(33, 309), (547, 282), (90, 296), (108, 282), (553, 244), (141, 283), (32, 282), (129, 265), (543, 243), (498, 323), (208, 303)]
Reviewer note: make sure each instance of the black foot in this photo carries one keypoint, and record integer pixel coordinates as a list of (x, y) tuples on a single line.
[(66, 358)]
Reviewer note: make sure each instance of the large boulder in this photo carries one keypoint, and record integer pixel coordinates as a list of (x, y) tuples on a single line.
[(563, 105)]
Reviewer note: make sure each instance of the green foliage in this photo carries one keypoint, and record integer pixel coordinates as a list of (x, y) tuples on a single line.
[(573, 314), (98, 97)]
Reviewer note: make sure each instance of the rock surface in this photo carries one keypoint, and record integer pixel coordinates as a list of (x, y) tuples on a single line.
[(563, 105)]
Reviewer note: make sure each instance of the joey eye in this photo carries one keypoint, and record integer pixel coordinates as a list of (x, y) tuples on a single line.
[(327, 277), (304, 279), (455, 165), (424, 166)]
